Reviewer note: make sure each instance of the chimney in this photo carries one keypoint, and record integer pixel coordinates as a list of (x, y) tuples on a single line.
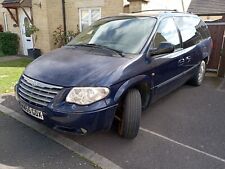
[(137, 5)]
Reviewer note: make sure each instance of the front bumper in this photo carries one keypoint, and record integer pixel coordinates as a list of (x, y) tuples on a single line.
[(65, 117)]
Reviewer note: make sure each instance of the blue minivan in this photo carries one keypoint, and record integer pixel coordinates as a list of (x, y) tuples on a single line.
[(113, 70)]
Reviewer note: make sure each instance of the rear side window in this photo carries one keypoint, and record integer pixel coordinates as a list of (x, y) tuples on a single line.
[(203, 29), (191, 29), (167, 32)]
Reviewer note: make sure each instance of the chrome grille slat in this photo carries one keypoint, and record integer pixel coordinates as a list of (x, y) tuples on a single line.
[(36, 92), (37, 88), (35, 96), (32, 100), (41, 84)]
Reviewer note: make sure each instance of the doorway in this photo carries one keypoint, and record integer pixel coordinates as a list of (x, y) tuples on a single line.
[(27, 40)]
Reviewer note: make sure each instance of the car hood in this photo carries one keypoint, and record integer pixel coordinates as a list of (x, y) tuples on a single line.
[(69, 67)]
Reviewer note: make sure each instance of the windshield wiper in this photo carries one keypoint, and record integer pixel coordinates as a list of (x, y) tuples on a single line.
[(101, 46)]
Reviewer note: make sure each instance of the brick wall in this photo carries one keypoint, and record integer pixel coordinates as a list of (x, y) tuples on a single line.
[(135, 6), (47, 19), (112, 8), (55, 16), (49, 16), (108, 8), (40, 16)]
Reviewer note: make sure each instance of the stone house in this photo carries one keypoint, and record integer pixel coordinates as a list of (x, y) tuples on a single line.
[(47, 15), (73, 15)]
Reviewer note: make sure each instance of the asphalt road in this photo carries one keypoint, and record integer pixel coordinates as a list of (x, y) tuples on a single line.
[(184, 130), (23, 148)]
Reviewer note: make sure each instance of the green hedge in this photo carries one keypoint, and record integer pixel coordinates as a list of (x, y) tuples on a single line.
[(9, 43)]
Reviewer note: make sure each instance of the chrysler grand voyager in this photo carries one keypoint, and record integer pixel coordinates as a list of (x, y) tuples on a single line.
[(113, 70)]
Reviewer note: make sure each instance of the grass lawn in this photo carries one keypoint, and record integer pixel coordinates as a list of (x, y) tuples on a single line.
[(10, 72)]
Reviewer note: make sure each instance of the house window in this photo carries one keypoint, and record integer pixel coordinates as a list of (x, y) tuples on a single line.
[(88, 16), (5, 21)]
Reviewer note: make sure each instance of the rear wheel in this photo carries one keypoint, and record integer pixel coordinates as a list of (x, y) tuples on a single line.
[(200, 74), (130, 116)]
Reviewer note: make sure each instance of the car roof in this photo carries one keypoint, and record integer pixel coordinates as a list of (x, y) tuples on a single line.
[(158, 13)]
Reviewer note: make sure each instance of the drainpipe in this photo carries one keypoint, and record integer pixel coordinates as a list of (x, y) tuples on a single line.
[(64, 17)]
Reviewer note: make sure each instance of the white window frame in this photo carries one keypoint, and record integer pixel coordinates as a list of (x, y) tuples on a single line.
[(5, 22), (89, 11)]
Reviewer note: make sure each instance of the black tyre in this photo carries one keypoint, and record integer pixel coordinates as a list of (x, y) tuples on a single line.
[(199, 76), (131, 115)]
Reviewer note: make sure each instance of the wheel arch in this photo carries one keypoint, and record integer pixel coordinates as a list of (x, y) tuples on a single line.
[(143, 83), (206, 59)]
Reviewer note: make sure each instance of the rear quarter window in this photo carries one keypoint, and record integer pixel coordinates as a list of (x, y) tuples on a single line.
[(203, 29), (192, 30)]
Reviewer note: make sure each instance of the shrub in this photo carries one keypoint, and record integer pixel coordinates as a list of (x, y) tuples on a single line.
[(61, 37), (9, 43), (31, 30)]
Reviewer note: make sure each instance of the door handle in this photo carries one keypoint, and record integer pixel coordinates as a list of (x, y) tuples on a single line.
[(181, 61), (188, 58)]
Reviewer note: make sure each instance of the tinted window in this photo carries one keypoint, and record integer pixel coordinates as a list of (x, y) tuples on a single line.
[(126, 34), (166, 32), (192, 30), (202, 28)]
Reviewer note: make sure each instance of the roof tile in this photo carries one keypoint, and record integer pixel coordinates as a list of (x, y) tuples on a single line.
[(207, 6)]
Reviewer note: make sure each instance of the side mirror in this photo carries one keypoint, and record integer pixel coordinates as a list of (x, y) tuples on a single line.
[(164, 47)]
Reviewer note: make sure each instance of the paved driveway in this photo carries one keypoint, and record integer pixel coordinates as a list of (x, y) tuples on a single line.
[(23, 148), (184, 130)]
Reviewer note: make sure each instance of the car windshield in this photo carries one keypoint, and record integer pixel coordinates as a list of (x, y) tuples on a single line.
[(124, 34)]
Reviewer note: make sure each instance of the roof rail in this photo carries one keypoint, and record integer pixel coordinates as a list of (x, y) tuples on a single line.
[(153, 10)]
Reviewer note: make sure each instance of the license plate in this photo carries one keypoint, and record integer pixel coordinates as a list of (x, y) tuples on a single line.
[(33, 112)]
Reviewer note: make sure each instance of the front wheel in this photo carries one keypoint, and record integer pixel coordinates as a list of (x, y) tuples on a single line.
[(200, 74), (131, 115)]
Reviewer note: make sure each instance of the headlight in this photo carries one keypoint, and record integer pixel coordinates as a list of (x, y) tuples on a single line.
[(86, 95)]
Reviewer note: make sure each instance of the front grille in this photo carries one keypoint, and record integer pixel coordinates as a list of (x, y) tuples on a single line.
[(35, 92)]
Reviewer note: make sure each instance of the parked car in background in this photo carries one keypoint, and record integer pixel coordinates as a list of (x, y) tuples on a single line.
[(114, 69)]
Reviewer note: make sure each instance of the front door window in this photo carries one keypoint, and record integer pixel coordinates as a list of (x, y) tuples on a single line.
[(167, 32), (27, 24)]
